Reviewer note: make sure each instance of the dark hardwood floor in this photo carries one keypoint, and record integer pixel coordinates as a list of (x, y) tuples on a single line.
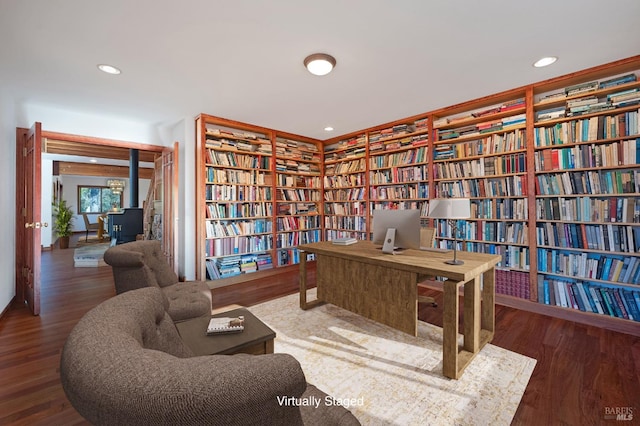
[(581, 372)]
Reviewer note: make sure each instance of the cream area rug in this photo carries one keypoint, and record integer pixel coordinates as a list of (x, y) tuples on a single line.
[(391, 378), (90, 256)]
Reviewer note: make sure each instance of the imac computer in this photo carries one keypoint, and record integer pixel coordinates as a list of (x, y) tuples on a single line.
[(396, 229)]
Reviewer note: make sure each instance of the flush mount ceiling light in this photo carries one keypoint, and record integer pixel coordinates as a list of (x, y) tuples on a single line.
[(319, 63), (543, 62), (109, 69), (328, 129)]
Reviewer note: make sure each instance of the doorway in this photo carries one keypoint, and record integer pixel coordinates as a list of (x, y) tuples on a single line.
[(64, 144)]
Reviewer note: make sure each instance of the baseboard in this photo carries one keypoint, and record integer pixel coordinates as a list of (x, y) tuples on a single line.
[(6, 309)]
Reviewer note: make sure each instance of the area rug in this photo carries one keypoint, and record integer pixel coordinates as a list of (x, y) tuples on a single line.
[(391, 378), (90, 256)]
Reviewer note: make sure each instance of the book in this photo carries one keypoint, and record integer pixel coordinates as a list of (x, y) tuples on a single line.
[(225, 325), (344, 241)]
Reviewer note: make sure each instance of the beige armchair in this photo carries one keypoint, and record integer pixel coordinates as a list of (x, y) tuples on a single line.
[(97, 226)]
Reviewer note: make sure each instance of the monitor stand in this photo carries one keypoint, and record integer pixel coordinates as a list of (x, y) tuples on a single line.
[(389, 241)]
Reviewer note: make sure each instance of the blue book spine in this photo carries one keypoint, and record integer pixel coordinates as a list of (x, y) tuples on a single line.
[(632, 306)]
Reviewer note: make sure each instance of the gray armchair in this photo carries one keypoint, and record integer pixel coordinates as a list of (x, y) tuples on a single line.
[(124, 363), (142, 264)]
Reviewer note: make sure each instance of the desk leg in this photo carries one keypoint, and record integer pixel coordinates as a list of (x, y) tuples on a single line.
[(303, 280), (488, 302), (304, 304), (450, 330), (472, 315)]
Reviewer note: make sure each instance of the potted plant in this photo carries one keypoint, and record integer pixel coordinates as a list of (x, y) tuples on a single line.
[(63, 222)]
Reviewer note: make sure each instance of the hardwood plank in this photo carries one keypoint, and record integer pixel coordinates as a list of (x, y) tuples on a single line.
[(581, 369)]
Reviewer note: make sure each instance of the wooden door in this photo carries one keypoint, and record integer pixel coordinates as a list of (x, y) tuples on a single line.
[(28, 216), (170, 204)]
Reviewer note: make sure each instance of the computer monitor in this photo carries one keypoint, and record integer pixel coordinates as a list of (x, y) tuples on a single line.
[(396, 229)]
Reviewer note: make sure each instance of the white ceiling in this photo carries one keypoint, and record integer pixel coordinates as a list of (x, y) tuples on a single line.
[(243, 59)]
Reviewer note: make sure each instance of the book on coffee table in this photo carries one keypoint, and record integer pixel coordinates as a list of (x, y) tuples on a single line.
[(226, 325)]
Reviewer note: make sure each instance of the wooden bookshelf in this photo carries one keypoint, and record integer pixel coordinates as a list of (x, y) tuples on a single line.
[(514, 155), (345, 188), (481, 153), (399, 166), (298, 196)]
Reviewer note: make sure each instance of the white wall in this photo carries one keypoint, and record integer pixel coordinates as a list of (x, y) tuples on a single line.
[(7, 200), (15, 114)]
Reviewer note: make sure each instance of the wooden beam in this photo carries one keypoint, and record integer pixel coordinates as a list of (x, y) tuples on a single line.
[(82, 169)]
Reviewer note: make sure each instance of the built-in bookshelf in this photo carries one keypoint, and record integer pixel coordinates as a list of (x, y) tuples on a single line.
[(239, 202), (345, 188), (587, 204), (552, 170), (480, 153), (398, 167), (298, 196)]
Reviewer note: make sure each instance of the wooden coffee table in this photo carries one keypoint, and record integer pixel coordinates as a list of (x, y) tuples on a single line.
[(256, 339)]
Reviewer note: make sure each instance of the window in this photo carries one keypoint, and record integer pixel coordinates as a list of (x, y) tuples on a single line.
[(97, 199)]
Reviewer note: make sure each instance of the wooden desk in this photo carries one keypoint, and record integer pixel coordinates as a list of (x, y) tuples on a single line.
[(382, 287)]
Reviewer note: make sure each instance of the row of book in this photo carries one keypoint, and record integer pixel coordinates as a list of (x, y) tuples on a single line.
[(293, 223), (624, 270), (493, 144), (497, 208), (512, 283), (591, 104), (293, 148), (235, 265), (238, 193), (299, 194), (589, 209), (233, 159), (498, 232), (485, 112), (238, 245), (391, 132), (357, 223), (348, 148), (497, 125), (238, 210), (293, 239), (235, 141), (357, 193), (231, 228), (300, 208), (399, 191), (398, 175), (589, 182), (294, 166), (398, 144), (241, 177), (311, 182), (606, 237), (510, 186), (589, 297), (292, 256), (353, 166), (411, 156), (588, 129), (423, 206), (515, 257), (344, 181), (484, 166), (622, 153), (334, 234), (341, 208)]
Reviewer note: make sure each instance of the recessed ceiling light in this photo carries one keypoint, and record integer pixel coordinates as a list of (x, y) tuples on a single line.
[(93, 160), (543, 62), (109, 69), (319, 63), (328, 129)]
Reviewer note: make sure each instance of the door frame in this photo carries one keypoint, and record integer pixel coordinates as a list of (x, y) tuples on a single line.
[(20, 188)]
